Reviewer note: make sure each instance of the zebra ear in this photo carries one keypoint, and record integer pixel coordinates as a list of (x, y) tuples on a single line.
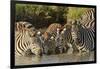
[(18, 26)]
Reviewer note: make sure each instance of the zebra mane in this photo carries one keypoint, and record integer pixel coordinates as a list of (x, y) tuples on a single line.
[(83, 25), (80, 24)]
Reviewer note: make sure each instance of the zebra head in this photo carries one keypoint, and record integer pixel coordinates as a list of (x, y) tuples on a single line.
[(66, 29), (36, 49), (75, 31), (24, 39)]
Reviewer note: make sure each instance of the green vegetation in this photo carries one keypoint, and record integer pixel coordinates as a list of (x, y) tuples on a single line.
[(75, 12), (43, 15), (40, 15)]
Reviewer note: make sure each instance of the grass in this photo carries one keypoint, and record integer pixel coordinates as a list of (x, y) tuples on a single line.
[(75, 12)]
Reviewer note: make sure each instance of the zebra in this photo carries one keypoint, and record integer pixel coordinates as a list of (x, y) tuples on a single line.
[(51, 30), (50, 33), (88, 18), (49, 46), (68, 41), (88, 23), (83, 37), (60, 42), (40, 40), (24, 39)]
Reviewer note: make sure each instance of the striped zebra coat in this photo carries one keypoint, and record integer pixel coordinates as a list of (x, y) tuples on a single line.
[(24, 39), (51, 30), (84, 37), (88, 27), (67, 37), (88, 18), (49, 44)]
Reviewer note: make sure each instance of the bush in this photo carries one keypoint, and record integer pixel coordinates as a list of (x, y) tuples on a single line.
[(75, 12), (40, 15), (43, 15)]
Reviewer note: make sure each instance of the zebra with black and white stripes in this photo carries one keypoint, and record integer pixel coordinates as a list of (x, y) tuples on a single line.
[(24, 39), (51, 30), (68, 40), (87, 24), (49, 38), (58, 42), (40, 40), (88, 18), (84, 37)]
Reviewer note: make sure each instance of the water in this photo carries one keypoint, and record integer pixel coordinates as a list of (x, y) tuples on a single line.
[(59, 58)]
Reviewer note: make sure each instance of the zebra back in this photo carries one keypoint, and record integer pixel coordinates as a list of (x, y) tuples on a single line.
[(88, 18), (51, 30)]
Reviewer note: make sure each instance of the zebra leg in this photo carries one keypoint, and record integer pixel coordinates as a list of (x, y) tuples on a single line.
[(82, 50), (61, 49), (75, 49), (57, 50), (45, 51), (66, 47), (85, 51)]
